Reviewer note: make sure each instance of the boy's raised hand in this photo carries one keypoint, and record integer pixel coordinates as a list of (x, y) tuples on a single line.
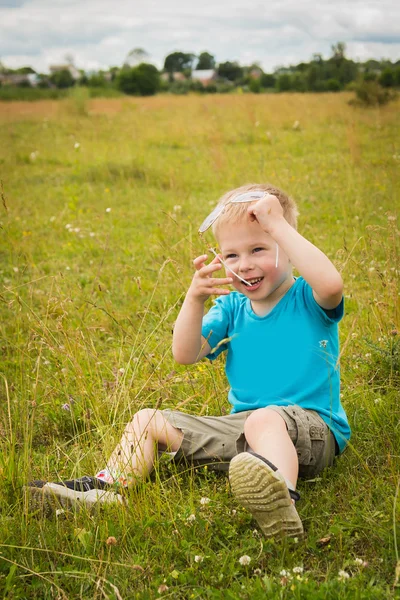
[(266, 212), (203, 283)]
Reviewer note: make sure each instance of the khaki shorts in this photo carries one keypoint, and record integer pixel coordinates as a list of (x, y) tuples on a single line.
[(216, 440)]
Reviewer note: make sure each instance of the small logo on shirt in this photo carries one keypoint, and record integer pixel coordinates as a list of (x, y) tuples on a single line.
[(323, 343)]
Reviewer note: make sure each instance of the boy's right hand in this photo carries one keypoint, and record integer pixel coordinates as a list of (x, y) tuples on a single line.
[(203, 283)]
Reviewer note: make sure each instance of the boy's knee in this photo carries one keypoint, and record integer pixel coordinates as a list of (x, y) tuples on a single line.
[(143, 419), (262, 420)]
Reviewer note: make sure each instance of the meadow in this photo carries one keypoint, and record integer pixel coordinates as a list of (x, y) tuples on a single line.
[(100, 205)]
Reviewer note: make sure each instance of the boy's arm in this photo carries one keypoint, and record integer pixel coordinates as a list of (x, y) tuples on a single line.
[(188, 345), (312, 264)]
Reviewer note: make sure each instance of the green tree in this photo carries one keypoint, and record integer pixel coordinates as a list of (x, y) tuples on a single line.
[(206, 61), (387, 77), (62, 79), (230, 70), (178, 61), (143, 80), (284, 83), (268, 80)]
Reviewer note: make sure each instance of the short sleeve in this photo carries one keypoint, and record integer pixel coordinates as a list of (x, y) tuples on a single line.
[(215, 327), (328, 316)]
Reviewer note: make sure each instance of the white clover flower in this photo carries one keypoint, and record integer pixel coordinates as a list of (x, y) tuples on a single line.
[(108, 210), (77, 145), (92, 234), (191, 518), (343, 575), (298, 570), (177, 207), (198, 558), (204, 500), (244, 560), (358, 561), (284, 573), (121, 371), (15, 269), (68, 226)]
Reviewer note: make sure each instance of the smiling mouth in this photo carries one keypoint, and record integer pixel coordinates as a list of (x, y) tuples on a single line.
[(252, 282)]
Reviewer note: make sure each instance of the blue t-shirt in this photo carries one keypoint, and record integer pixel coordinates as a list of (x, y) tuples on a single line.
[(289, 356)]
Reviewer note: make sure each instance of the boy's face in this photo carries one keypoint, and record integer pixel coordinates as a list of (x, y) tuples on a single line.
[(251, 253)]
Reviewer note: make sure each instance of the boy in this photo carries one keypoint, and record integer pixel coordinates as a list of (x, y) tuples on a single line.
[(280, 335)]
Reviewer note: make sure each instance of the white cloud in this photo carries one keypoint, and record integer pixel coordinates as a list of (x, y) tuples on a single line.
[(100, 33)]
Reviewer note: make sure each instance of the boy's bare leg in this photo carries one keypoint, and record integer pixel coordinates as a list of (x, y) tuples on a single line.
[(133, 458), (266, 434), (260, 488)]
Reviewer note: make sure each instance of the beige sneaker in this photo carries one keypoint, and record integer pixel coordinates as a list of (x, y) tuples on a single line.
[(56, 498), (264, 492)]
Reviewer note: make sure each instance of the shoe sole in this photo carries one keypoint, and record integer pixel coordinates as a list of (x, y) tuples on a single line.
[(265, 494), (56, 499)]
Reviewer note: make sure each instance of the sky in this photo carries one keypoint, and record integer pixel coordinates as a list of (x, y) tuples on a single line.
[(100, 33)]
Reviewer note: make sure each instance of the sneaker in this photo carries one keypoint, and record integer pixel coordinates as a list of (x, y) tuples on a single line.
[(50, 498), (261, 489)]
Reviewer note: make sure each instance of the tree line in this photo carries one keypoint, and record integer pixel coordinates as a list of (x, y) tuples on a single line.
[(138, 77)]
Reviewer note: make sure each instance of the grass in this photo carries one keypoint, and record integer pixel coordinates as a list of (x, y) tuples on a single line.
[(101, 200)]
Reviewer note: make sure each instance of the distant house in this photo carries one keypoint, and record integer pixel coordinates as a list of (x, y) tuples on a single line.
[(255, 73), (205, 76), (73, 70), (176, 76), (19, 79)]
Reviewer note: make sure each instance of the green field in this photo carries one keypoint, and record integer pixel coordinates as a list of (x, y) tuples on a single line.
[(100, 205)]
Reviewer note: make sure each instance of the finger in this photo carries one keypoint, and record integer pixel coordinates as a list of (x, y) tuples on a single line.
[(220, 281), (199, 261), (207, 270)]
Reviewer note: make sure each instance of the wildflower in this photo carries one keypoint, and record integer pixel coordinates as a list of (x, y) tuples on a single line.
[(391, 218), (68, 226), (15, 269), (111, 541), (257, 572), (204, 500), (244, 560), (358, 561), (121, 371), (198, 558), (343, 575), (296, 125), (233, 512), (298, 570), (284, 573), (91, 234), (377, 400), (66, 407), (108, 210), (77, 145), (163, 588), (177, 208), (191, 518)]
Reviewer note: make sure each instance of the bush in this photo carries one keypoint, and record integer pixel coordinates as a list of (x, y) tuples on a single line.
[(370, 93), (143, 80), (333, 85)]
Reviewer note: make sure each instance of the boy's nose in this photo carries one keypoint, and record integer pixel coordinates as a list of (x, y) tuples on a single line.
[(245, 264)]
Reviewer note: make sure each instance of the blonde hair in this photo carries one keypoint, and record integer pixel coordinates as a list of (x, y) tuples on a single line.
[(236, 212)]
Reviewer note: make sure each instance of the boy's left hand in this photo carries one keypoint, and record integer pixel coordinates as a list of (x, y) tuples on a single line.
[(266, 212)]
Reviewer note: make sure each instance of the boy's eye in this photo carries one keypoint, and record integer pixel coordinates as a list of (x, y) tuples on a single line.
[(231, 255), (259, 249)]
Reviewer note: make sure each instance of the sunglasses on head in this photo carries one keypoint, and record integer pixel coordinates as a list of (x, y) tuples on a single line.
[(218, 210)]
